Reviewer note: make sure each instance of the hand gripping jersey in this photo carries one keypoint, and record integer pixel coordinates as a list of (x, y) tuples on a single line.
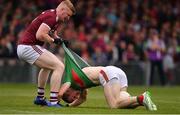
[(73, 71)]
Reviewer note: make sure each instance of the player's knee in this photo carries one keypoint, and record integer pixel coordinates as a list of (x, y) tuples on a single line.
[(114, 105), (59, 66)]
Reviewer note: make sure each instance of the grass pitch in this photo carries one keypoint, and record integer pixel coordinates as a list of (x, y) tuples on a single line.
[(18, 99)]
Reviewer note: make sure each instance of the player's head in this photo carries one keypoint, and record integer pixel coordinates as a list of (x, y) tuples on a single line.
[(70, 95), (65, 10)]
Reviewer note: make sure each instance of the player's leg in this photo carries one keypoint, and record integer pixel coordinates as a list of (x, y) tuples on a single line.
[(143, 99), (43, 77), (110, 99), (116, 94), (109, 78), (128, 101), (114, 79), (47, 61), (50, 61), (42, 80), (117, 98)]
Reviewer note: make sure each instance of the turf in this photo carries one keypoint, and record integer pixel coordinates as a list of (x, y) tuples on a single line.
[(18, 98)]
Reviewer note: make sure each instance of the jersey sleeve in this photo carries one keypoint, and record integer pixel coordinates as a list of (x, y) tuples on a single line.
[(50, 21)]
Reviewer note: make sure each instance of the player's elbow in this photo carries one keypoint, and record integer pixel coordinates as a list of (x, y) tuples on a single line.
[(39, 36)]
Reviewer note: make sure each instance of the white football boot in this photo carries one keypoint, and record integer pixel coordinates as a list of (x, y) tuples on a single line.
[(147, 102)]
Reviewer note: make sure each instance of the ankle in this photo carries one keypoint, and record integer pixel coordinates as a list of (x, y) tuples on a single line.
[(53, 98), (40, 93), (140, 99)]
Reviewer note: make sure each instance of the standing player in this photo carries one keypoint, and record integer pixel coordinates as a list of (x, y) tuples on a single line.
[(30, 49), (114, 82)]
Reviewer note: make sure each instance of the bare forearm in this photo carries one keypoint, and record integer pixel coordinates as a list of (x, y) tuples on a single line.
[(77, 102), (42, 33), (46, 38)]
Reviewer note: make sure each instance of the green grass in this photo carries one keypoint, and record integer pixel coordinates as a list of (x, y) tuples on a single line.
[(17, 99)]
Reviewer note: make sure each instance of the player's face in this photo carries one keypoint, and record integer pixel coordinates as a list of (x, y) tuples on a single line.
[(72, 94), (66, 13)]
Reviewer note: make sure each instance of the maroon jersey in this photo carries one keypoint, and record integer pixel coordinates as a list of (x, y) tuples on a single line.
[(48, 17)]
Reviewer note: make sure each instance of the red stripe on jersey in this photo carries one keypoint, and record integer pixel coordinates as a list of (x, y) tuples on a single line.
[(77, 79), (104, 75)]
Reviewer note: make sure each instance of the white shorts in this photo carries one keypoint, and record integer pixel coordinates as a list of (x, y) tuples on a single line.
[(112, 73), (29, 53)]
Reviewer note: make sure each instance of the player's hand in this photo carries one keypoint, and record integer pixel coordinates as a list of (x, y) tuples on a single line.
[(58, 41), (66, 43)]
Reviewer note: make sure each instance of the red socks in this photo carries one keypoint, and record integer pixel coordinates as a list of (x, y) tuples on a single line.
[(140, 99)]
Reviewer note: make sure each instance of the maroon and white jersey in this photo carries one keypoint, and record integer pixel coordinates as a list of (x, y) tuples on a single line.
[(48, 17)]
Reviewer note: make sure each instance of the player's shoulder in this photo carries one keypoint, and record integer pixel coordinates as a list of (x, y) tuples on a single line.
[(49, 13)]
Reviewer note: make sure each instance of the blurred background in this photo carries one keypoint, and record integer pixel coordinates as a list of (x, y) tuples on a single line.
[(140, 36)]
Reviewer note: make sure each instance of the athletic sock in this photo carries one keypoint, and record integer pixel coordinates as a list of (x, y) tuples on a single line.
[(40, 94), (140, 99), (54, 97)]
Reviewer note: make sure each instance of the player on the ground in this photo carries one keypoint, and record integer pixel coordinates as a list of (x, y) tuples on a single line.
[(30, 49), (114, 82)]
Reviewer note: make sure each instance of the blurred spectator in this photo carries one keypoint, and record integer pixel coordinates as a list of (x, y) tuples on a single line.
[(156, 49), (99, 57), (170, 58), (4, 51), (169, 66), (129, 55), (112, 53), (7, 47), (121, 49)]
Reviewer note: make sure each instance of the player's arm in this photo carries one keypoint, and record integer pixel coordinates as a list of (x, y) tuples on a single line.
[(43, 33), (82, 98), (63, 89)]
